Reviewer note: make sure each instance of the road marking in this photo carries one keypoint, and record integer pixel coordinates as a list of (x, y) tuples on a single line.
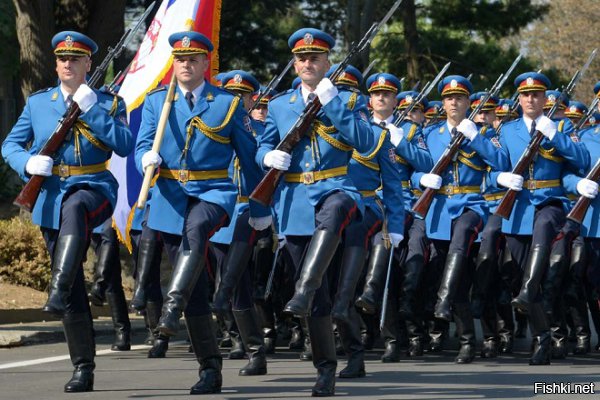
[(46, 360)]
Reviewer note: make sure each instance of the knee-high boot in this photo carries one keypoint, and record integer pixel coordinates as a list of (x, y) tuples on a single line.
[(236, 261), (351, 341), (120, 317), (320, 252), (375, 280), (263, 261), (353, 261), (253, 343), (79, 333), (413, 269), (455, 264), (466, 333), (68, 255), (486, 267), (107, 253), (149, 255), (266, 320), (532, 278), (160, 342), (540, 333), (190, 264), (324, 357), (202, 335)]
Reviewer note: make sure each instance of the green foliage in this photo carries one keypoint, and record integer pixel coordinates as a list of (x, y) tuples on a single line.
[(9, 51), (23, 256)]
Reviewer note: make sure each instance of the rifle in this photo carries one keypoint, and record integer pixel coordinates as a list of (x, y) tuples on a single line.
[(263, 193), (272, 85), (511, 110), (28, 196), (422, 94), (588, 114), (580, 208), (506, 204), (422, 205)]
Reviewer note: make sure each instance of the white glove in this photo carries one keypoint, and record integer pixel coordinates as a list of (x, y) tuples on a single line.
[(432, 181), (396, 133), (85, 98), (510, 180), (277, 159), (326, 91), (467, 128), (547, 127), (39, 165), (587, 188), (396, 238), (281, 241), (151, 158), (260, 223)]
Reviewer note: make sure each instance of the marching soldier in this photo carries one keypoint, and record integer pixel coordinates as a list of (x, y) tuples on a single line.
[(317, 200), (194, 193), (235, 281), (458, 211), (433, 112), (539, 210), (79, 193)]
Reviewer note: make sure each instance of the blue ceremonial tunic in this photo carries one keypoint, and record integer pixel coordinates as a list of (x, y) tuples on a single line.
[(98, 132)]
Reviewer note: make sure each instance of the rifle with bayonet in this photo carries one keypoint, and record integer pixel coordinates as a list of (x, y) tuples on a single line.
[(506, 204), (263, 193), (422, 205), (272, 85), (369, 67), (591, 110), (28, 196)]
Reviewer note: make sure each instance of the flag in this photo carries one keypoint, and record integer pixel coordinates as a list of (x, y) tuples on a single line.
[(151, 67)]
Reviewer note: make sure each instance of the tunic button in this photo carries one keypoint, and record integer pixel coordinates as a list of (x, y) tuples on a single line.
[(307, 165)]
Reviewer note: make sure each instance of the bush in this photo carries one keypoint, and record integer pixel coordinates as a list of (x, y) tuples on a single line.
[(24, 259)]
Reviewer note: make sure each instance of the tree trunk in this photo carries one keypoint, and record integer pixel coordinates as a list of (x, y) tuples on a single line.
[(411, 39), (35, 26), (106, 28)]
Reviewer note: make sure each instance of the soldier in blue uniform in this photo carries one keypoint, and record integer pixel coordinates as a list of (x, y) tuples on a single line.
[(194, 194), (575, 111), (316, 199), (433, 112), (78, 193), (541, 204), (236, 245), (458, 211)]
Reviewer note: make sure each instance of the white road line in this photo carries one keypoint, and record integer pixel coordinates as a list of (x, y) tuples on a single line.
[(46, 360)]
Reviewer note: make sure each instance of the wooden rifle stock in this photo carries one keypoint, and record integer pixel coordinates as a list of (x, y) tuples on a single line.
[(28, 195), (422, 205), (508, 201), (263, 192), (580, 208)]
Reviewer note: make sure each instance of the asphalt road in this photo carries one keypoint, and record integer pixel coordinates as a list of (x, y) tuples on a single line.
[(40, 371)]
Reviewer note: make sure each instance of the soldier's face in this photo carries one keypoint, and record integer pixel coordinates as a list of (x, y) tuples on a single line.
[(311, 67), (190, 70), (416, 115), (532, 103), (71, 70), (456, 106), (383, 101), (259, 113), (486, 117)]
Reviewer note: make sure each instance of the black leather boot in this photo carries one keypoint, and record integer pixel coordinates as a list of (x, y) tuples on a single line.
[(455, 264), (415, 338), (534, 272), (149, 256), (392, 352), (68, 255), (413, 269), (353, 347), (558, 343), (190, 264), (204, 343), (253, 342), (107, 253), (266, 320), (486, 267), (263, 261), (159, 347), (120, 317), (79, 334), (237, 351), (319, 254), (438, 332), (521, 330), (506, 326), (324, 357), (372, 293), (297, 340), (352, 264), (489, 329), (466, 333), (540, 333), (306, 354), (235, 264)]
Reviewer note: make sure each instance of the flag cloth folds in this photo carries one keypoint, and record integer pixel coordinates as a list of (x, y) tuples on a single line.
[(150, 68)]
